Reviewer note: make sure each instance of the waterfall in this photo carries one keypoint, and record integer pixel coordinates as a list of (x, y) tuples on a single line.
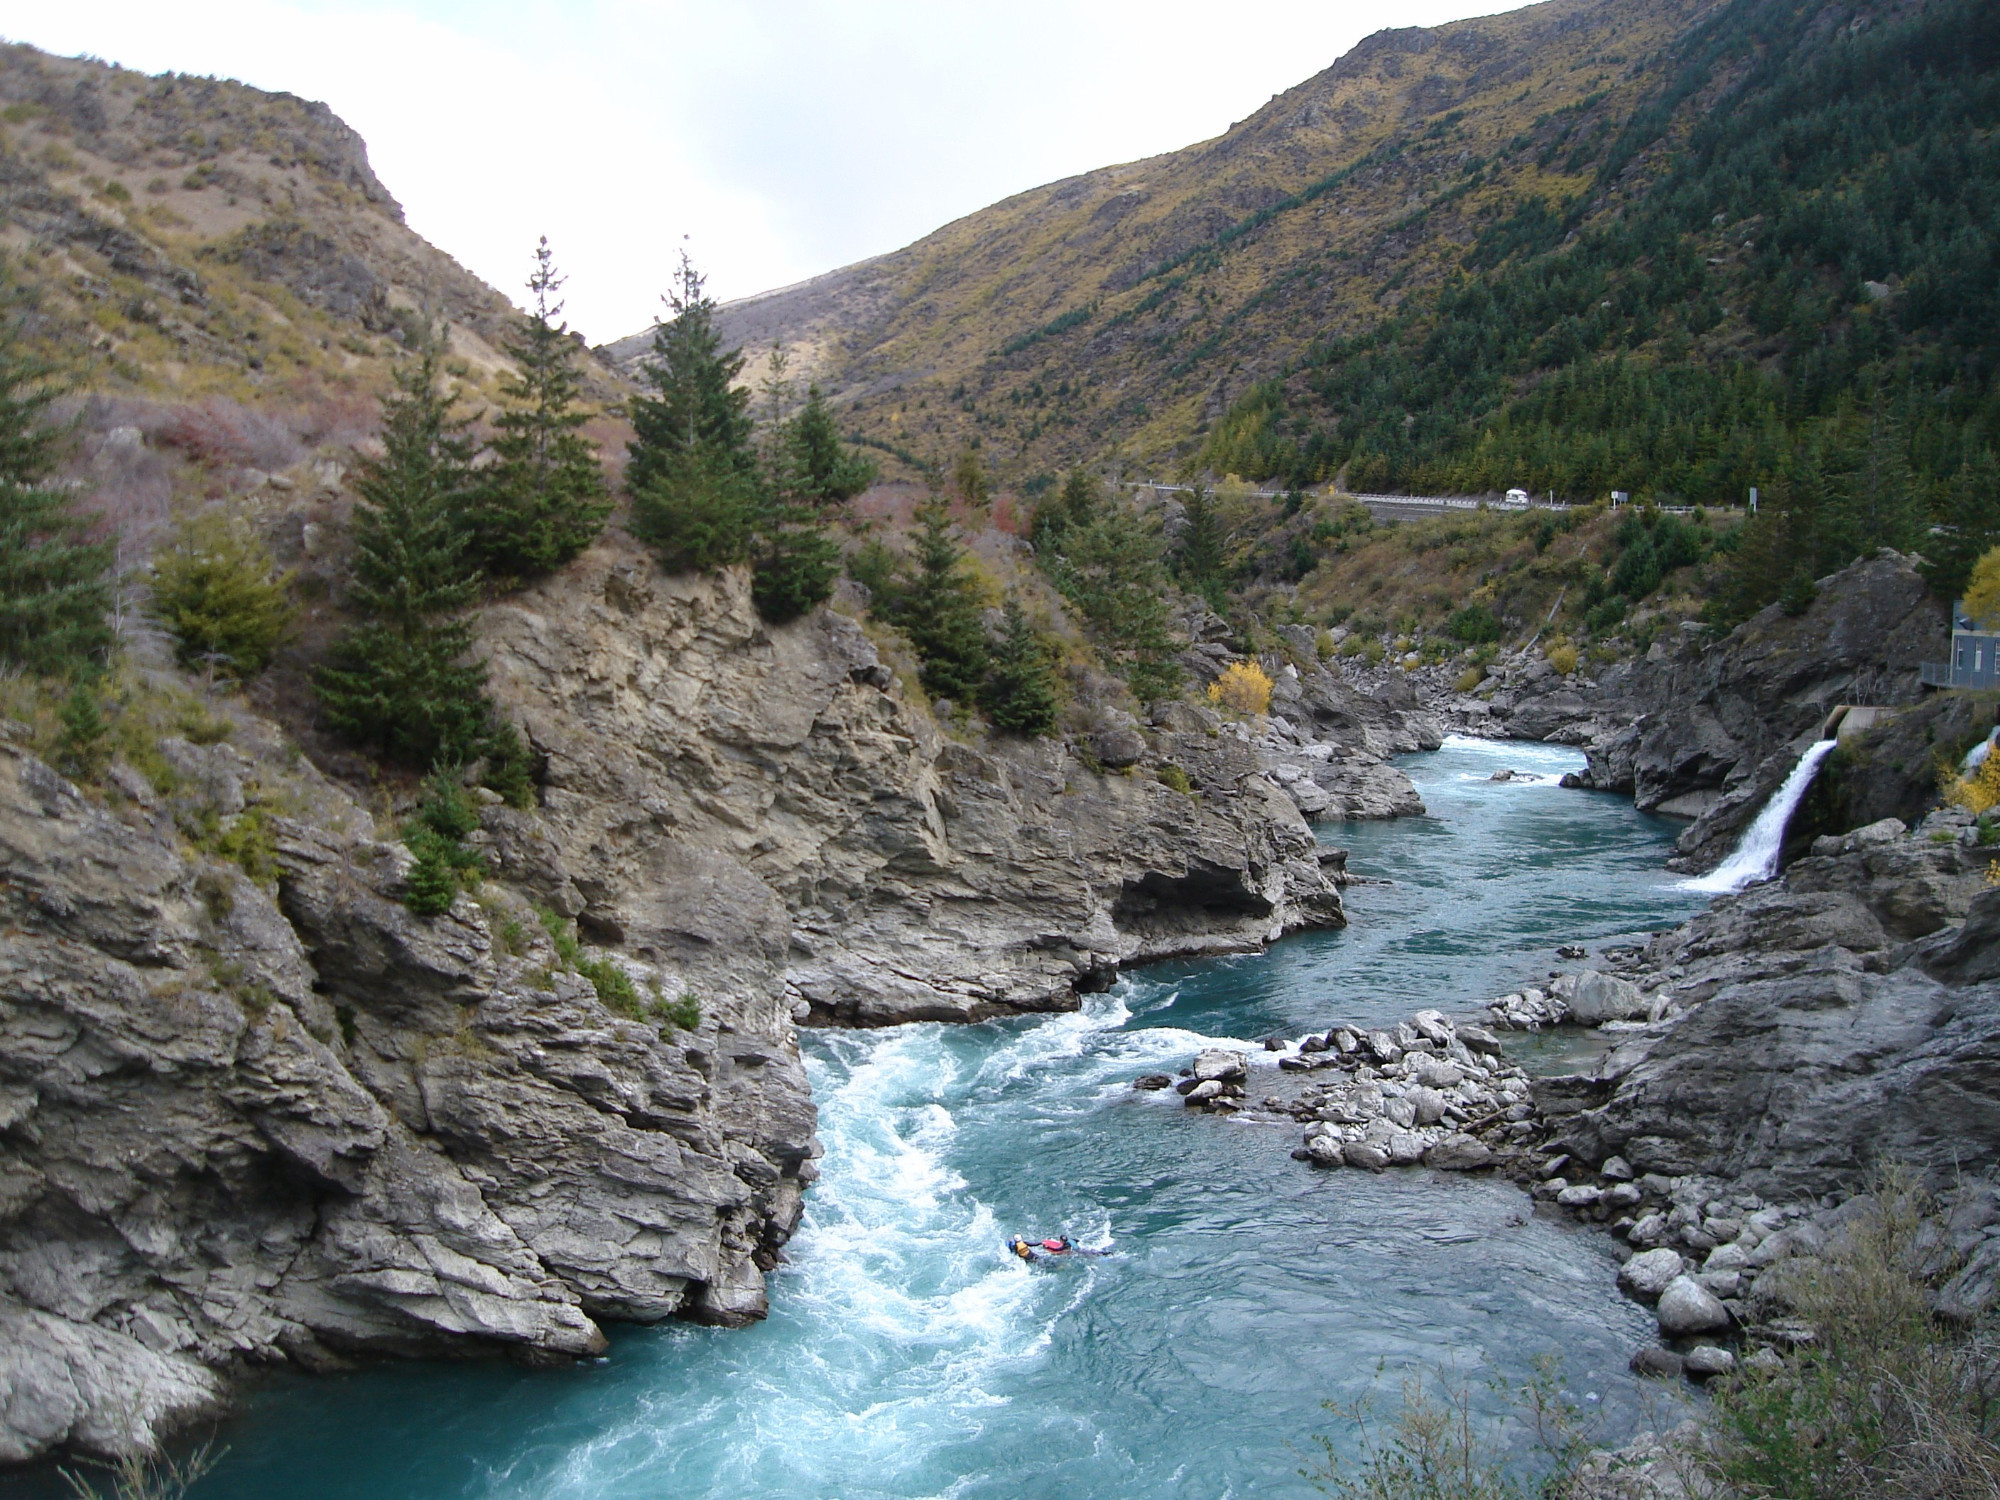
[(1976, 756), (1756, 857)]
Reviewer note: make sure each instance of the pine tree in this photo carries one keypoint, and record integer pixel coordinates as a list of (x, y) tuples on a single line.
[(1106, 562), (1970, 516), (54, 590), (397, 681), (1075, 505), (821, 469), (968, 478), (1021, 689), (699, 511), (695, 401), (543, 499), (1202, 555), (941, 611)]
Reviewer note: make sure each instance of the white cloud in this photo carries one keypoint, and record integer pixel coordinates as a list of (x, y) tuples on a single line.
[(784, 137)]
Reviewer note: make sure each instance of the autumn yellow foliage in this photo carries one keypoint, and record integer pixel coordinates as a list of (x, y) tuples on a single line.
[(1982, 592), (1562, 656), (1243, 686), (1977, 793)]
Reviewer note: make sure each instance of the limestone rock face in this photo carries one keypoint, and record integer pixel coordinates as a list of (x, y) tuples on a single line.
[(716, 787)]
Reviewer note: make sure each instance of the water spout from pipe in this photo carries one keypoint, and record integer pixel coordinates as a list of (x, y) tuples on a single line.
[(1756, 857)]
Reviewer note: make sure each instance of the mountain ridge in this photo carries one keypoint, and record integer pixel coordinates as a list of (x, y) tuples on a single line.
[(1213, 255)]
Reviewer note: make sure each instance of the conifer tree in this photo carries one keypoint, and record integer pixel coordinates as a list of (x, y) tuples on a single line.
[(1021, 688), (217, 590), (694, 402), (941, 611), (822, 470), (1202, 555), (700, 510), (397, 681), (543, 499), (1106, 562), (1970, 514), (55, 592)]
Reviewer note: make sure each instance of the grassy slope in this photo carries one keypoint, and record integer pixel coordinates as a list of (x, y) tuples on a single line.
[(1129, 307), (202, 238)]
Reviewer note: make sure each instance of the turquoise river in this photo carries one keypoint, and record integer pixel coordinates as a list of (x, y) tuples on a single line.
[(906, 1355)]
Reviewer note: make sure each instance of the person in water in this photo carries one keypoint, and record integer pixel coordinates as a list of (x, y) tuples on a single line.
[(1061, 1245)]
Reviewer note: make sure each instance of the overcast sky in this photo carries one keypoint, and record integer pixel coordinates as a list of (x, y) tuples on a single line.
[(782, 137)]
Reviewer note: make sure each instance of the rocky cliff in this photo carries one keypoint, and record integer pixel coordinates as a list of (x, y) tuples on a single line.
[(1841, 1017), (1709, 729), (710, 782), (253, 1110), (279, 1118)]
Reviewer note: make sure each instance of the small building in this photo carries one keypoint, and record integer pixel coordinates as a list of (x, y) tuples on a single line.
[(1975, 655)]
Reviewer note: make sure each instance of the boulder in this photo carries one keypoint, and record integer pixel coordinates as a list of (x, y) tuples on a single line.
[(1366, 1154), (1406, 1148), (1687, 1307), (1650, 1273), (1459, 1153), (1326, 1151), (1219, 1064), (1118, 748), (1659, 1363), (1479, 1039), (1594, 997), (1204, 1091), (1428, 1105), (1705, 1362), (1581, 1195)]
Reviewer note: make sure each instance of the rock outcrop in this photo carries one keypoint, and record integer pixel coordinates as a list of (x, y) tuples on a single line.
[(908, 874), (1331, 737), (249, 1119), (1845, 1015), (1710, 729)]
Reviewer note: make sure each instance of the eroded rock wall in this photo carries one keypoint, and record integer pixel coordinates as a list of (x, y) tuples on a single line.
[(1711, 728), (708, 779), (254, 1110), (251, 1121), (1840, 1018)]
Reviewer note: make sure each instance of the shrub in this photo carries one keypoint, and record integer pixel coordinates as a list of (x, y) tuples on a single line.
[(1470, 678), (84, 743), (217, 591), (1474, 624), (615, 990), (1243, 686), (1435, 1450), (1977, 793), (1173, 777), (143, 1477), (684, 1013), (1562, 656), (510, 768), (1888, 1401)]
